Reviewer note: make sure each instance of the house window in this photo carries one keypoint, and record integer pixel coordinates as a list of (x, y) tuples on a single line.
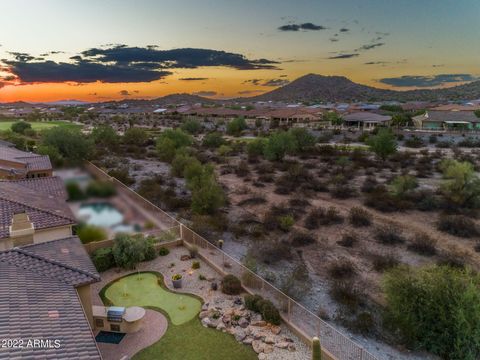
[(99, 323), (114, 327)]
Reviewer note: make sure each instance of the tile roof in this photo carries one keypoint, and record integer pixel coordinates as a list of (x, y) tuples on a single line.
[(53, 269), (365, 116), (31, 161), (33, 306), (69, 251), (51, 185), (441, 116), (43, 208)]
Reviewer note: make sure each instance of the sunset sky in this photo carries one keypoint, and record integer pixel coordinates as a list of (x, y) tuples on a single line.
[(98, 50)]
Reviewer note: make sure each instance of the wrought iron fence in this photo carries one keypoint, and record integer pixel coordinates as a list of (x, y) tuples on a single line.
[(300, 319)]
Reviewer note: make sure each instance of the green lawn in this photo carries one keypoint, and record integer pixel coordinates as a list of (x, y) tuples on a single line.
[(186, 341), (143, 290), (38, 125)]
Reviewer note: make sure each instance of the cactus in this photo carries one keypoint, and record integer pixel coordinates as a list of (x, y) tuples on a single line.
[(316, 349)]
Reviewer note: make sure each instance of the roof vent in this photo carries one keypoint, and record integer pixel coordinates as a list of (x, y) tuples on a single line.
[(65, 251), (21, 226)]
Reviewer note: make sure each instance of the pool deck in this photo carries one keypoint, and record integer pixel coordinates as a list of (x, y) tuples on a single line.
[(154, 326)]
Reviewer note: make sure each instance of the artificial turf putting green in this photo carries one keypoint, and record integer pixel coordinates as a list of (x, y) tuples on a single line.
[(38, 125), (143, 290)]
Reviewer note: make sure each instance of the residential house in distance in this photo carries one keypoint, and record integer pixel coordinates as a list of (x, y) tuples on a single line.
[(447, 120), (17, 164), (366, 120), (45, 294), (33, 211)]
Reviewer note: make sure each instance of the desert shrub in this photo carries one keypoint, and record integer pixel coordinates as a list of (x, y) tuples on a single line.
[(348, 239), (90, 233), (389, 235), (369, 185), (195, 265), (213, 140), (254, 200), (423, 245), (75, 193), (457, 225), (236, 126), (346, 294), (383, 200), (286, 222), (163, 251), (242, 169), (414, 142), (252, 302), (122, 174), (383, 262), (342, 191), (302, 239), (269, 312), (359, 217), (435, 308), (274, 251), (102, 189), (149, 252), (103, 259), (341, 269), (454, 257), (129, 250), (363, 323), (231, 285)]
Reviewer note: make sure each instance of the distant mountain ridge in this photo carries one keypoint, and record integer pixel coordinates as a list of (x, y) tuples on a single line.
[(313, 87)]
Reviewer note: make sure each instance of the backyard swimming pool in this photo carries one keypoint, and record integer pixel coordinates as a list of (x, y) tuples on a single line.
[(104, 215)]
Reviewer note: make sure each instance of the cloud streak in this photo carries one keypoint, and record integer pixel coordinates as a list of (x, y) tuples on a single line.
[(308, 26), (427, 81), (344, 56)]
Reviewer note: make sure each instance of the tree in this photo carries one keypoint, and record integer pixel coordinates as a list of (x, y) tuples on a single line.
[(207, 194), (383, 144), (213, 140), (55, 157), (236, 126), (20, 126), (402, 184), (129, 250), (135, 136), (401, 119), (105, 135), (461, 186), (436, 308), (477, 113), (181, 162), (191, 126), (304, 138), (255, 147), (278, 145), (70, 143), (333, 118), (170, 141)]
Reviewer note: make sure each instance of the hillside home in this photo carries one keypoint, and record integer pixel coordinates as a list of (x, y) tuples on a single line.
[(366, 120), (17, 164), (33, 211), (447, 120)]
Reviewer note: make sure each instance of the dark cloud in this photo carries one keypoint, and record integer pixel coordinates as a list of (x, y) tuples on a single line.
[(304, 26), (333, 39), (121, 63), (377, 63), (124, 93), (427, 81), (344, 30), (175, 58), (438, 65), (267, 82), (193, 79), (369, 46), (205, 93), (344, 56), (275, 82)]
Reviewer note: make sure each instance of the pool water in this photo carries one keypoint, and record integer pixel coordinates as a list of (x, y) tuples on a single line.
[(104, 215)]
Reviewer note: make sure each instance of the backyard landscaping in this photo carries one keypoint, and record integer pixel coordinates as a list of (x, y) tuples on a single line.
[(145, 289)]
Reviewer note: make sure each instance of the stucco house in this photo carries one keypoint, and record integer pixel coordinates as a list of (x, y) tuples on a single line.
[(33, 211), (366, 120), (447, 119), (17, 164)]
